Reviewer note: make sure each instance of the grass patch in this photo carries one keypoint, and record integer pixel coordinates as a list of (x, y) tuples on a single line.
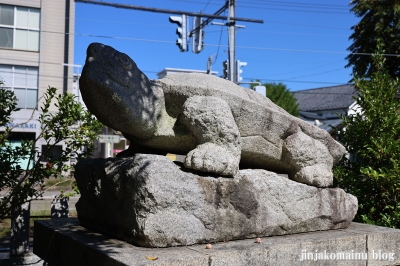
[(5, 228), (59, 182)]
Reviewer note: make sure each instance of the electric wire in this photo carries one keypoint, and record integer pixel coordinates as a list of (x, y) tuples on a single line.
[(165, 25), (295, 3), (219, 43), (206, 6), (151, 71), (301, 7), (223, 45), (246, 47), (266, 2), (296, 71), (315, 74)]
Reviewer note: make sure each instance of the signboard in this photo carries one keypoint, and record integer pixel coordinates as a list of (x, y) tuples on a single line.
[(23, 125), (109, 138), (261, 90)]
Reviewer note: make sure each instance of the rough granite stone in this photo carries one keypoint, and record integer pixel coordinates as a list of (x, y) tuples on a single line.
[(215, 122), (149, 201)]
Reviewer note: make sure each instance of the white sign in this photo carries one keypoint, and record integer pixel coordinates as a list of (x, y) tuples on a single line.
[(109, 138), (261, 90)]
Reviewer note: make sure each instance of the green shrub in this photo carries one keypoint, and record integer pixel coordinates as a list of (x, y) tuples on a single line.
[(372, 138), (71, 125)]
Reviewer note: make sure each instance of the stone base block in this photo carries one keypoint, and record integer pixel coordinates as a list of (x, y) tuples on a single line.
[(147, 200), (64, 242)]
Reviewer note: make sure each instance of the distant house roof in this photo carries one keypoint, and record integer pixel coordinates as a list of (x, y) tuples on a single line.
[(326, 98)]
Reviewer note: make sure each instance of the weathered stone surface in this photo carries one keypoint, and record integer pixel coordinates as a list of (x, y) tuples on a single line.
[(147, 200), (173, 115), (64, 242), (219, 138)]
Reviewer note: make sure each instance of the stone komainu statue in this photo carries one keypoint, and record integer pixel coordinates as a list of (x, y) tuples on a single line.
[(217, 123)]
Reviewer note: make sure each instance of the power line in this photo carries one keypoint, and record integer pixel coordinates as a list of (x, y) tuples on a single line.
[(260, 31), (168, 11), (243, 47), (150, 71), (219, 42), (301, 7), (296, 3), (295, 33), (122, 22), (204, 9), (296, 10), (269, 2), (165, 25), (315, 74), (285, 73), (304, 25), (306, 51)]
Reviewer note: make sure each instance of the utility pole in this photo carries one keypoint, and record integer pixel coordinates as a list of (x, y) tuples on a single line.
[(197, 31), (209, 64), (231, 40)]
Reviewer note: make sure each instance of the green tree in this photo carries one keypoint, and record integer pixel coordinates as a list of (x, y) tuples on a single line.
[(379, 26), (372, 138), (71, 125), (281, 96)]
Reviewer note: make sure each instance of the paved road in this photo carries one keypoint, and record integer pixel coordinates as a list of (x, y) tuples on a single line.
[(45, 202)]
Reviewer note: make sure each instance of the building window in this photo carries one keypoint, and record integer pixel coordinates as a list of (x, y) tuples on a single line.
[(23, 81), (19, 27)]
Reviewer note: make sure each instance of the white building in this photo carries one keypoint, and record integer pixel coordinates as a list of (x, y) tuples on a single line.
[(36, 51), (171, 71)]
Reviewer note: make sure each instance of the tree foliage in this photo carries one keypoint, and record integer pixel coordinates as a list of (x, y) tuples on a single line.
[(71, 125), (379, 26), (282, 96), (372, 138)]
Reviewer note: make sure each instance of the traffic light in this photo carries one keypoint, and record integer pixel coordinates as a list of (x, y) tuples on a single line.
[(225, 72), (182, 22), (198, 35), (239, 70)]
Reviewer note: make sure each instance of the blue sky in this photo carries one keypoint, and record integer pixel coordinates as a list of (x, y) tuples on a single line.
[(302, 44)]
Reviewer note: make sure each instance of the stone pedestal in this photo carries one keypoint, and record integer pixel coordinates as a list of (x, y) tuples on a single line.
[(64, 242), (149, 201)]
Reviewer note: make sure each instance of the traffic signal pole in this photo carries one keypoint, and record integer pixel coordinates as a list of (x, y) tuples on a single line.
[(231, 41)]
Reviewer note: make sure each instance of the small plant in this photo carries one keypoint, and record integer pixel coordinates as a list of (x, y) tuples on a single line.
[(71, 125)]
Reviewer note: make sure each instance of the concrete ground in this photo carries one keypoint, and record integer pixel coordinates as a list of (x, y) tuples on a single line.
[(45, 202)]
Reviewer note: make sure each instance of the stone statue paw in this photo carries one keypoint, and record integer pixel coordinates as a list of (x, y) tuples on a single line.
[(210, 157), (318, 175)]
